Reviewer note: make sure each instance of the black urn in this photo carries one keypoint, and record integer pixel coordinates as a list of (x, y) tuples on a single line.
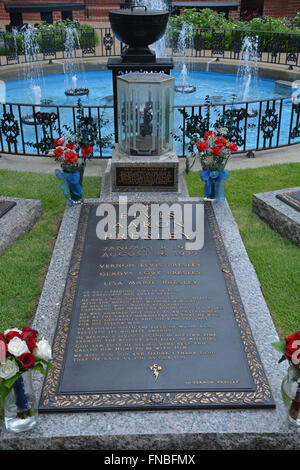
[(138, 27)]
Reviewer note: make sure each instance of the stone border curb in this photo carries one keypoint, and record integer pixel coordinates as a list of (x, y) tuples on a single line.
[(278, 215), (19, 220)]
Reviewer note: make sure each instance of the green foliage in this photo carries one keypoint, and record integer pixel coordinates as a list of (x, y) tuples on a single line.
[(205, 18), (59, 35), (208, 18)]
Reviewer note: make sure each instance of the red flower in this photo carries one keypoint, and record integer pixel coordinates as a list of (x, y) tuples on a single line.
[(27, 359), (28, 332), (292, 344), (58, 152), (71, 157), (87, 150), (31, 342), (220, 141), (232, 146), (11, 334), (209, 135), (216, 150), (59, 141), (202, 146), (70, 145), (29, 335)]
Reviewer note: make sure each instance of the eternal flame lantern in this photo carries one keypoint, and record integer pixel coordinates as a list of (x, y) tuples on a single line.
[(145, 113)]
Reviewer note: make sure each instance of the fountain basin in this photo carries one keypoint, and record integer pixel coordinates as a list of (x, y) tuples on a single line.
[(138, 28), (77, 91), (185, 88)]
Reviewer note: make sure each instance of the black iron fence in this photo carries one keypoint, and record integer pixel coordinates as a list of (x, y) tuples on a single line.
[(272, 47), (256, 125)]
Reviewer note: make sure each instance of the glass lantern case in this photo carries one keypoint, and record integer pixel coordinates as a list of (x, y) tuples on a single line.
[(145, 113)]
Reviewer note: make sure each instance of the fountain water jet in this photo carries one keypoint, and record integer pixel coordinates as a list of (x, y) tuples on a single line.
[(159, 46), (185, 41), (247, 71), (72, 66), (32, 69)]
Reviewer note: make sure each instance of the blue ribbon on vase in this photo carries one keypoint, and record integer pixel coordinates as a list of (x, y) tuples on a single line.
[(214, 179), (70, 181), (21, 398)]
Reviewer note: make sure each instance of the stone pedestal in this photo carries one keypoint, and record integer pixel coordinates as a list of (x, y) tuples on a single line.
[(132, 173)]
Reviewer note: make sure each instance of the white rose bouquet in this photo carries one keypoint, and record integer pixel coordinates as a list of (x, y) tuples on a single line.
[(21, 350)]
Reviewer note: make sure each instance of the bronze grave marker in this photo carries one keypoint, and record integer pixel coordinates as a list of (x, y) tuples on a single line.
[(146, 324)]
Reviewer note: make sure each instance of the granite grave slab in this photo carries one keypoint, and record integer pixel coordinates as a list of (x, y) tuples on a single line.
[(277, 209), (182, 429), (18, 220)]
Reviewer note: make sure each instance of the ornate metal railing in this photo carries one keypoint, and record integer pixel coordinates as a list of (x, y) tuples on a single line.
[(272, 47), (252, 125), (255, 125)]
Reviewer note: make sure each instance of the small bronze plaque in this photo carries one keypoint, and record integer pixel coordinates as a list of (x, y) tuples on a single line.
[(292, 199), (5, 206), (145, 176), (148, 323)]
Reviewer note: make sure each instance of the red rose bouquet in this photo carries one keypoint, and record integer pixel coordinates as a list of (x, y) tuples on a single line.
[(21, 351), (290, 349), (65, 153), (214, 151)]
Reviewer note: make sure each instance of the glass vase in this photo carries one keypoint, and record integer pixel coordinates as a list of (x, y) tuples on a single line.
[(20, 408), (290, 391), (74, 179)]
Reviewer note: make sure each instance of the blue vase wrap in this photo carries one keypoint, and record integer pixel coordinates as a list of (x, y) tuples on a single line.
[(21, 399), (70, 185), (214, 187)]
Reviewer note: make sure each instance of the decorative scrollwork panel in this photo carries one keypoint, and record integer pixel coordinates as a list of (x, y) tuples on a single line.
[(10, 128), (218, 43), (269, 123), (108, 43), (295, 131), (87, 42)]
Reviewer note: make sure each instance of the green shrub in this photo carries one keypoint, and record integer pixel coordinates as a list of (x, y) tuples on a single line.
[(206, 21), (59, 35)]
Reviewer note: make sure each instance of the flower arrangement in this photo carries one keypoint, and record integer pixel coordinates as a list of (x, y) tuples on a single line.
[(290, 349), (20, 351), (64, 152), (71, 175), (214, 151)]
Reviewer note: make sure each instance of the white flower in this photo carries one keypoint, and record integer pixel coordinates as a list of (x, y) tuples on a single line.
[(12, 329), (43, 350), (17, 346), (222, 131), (8, 369)]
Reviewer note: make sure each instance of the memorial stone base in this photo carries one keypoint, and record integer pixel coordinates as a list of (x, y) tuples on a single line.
[(143, 173)]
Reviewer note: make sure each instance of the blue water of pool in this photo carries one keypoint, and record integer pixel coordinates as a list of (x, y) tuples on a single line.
[(219, 87)]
